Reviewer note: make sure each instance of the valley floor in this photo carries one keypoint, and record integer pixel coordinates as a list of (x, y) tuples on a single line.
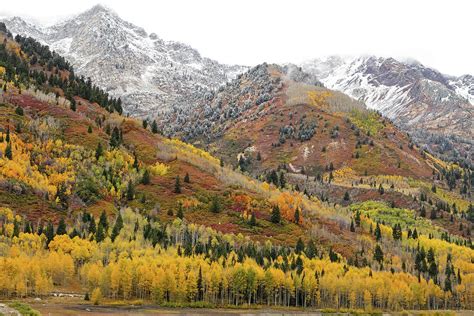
[(76, 306)]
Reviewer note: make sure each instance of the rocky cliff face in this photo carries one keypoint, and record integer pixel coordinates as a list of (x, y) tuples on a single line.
[(150, 74), (420, 99)]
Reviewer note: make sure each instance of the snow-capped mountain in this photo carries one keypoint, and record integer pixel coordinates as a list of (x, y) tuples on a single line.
[(416, 97), (150, 74)]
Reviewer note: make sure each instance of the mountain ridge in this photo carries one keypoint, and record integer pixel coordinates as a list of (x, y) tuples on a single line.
[(148, 72)]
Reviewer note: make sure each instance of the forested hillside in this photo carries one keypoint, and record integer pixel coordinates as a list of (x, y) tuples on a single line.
[(109, 207)]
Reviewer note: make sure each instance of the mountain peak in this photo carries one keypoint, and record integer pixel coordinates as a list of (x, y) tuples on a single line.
[(99, 8)]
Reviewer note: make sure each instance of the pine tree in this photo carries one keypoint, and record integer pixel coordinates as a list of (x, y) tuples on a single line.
[(146, 177), (352, 226), (297, 215), (19, 111), (378, 233), (282, 180), (276, 216), (49, 232), (117, 227), (381, 189), (61, 230), (130, 191), (422, 211), (135, 161), (16, 228), (115, 138), (253, 220), (259, 157), (299, 246), (310, 250), (177, 186), (186, 178), (99, 151), (180, 213), (347, 196), (7, 137), (92, 227), (73, 104), (89, 129), (154, 127), (215, 206), (8, 151), (100, 235), (103, 221), (414, 235), (145, 123), (357, 218), (200, 286), (378, 254), (397, 232)]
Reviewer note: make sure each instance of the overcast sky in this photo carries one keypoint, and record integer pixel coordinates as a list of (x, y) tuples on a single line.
[(439, 34)]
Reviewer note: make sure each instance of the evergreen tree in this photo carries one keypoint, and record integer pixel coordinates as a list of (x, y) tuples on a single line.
[(422, 211), (8, 151), (16, 228), (276, 216), (397, 232), (154, 127), (378, 254), (200, 288), (299, 246), (352, 226), (333, 256), (19, 111), (357, 218), (177, 185), (135, 161), (100, 235), (61, 229), (253, 220), (89, 129), (310, 250), (186, 178), (73, 104), (146, 177), (215, 205), (381, 189), (180, 213), (7, 137), (282, 181), (414, 235), (99, 151), (117, 227), (347, 197), (130, 191), (103, 221), (145, 123), (49, 232), (378, 233), (92, 227), (297, 215), (115, 138)]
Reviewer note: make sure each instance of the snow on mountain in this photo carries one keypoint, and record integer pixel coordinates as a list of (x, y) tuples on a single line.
[(435, 108), (150, 74)]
